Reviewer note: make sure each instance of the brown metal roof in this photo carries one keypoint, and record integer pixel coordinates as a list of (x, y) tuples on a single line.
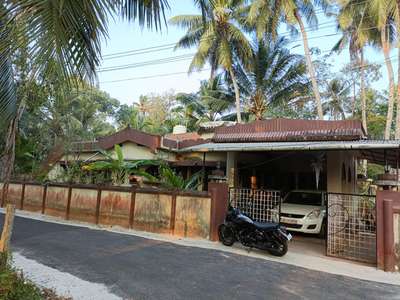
[(125, 135), (182, 136), (291, 130), (131, 135), (183, 140)]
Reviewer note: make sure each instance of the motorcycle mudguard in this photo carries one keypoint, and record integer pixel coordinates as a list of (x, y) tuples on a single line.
[(285, 235)]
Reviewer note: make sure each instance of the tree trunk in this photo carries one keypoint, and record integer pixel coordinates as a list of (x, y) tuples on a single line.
[(310, 66), (9, 152), (212, 73), (237, 96), (362, 92), (386, 53), (353, 104), (397, 133)]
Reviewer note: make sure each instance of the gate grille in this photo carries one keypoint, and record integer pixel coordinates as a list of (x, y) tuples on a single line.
[(260, 205), (351, 227)]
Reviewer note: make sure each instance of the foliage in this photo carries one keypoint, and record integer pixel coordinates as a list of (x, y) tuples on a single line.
[(338, 94), (14, 286), (211, 102), (150, 114), (374, 170), (265, 17), (68, 32), (119, 167), (250, 65), (219, 39), (58, 114), (171, 180)]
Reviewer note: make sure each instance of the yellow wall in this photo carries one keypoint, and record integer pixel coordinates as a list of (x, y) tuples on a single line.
[(210, 156), (335, 162)]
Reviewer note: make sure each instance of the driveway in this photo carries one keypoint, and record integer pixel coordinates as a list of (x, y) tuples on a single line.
[(138, 268)]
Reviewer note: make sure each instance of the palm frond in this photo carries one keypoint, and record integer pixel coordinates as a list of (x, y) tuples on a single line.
[(147, 12), (193, 182)]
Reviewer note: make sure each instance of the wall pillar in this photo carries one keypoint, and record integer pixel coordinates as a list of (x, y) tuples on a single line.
[(219, 205)]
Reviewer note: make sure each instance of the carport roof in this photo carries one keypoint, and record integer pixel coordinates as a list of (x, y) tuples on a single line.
[(375, 151), (290, 130), (295, 146)]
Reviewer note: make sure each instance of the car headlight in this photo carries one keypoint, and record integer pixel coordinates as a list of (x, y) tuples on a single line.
[(314, 214)]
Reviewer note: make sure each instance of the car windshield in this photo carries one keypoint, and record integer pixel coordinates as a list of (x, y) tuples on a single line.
[(304, 198)]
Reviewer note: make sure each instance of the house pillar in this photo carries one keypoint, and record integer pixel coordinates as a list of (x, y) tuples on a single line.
[(231, 169)]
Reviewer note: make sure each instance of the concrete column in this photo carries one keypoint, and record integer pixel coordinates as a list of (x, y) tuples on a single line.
[(231, 169)]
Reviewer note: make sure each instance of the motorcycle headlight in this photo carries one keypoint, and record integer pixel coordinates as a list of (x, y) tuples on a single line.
[(314, 214)]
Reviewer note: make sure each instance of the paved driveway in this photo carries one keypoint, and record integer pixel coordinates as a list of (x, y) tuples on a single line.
[(138, 268)]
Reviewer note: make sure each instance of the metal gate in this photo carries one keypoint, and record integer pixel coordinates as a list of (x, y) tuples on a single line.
[(351, 230), (260, 205)]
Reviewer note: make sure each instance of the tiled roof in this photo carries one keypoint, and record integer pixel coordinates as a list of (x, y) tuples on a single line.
[(291, 130)]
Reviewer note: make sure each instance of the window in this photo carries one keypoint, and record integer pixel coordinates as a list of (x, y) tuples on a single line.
[(304, 198)]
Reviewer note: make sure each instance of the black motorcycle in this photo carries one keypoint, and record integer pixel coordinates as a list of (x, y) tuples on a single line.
[(265, 236)]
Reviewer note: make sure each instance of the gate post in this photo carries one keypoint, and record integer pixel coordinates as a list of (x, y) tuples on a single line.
[(387, 205)]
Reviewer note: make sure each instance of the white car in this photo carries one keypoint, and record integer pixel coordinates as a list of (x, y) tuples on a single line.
[(304, 211)]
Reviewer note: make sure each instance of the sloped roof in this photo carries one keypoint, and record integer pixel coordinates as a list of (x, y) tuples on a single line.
[(289, 130), (125, 135)]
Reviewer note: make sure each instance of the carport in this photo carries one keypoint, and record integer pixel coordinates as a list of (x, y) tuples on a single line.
[(265, 159)]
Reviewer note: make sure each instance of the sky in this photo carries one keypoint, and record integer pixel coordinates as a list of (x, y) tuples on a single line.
[(127, 84)]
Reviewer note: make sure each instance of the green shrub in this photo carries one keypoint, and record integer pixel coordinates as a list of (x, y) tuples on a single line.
[(13, 286)]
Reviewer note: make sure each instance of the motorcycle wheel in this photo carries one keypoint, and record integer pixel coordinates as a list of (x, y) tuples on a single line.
[(226, 235), (279, 248)]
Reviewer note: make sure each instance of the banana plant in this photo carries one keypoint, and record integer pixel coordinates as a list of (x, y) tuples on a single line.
[(120, 168)]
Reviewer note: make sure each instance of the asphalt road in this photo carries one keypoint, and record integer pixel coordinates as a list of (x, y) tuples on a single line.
[(138, 268)]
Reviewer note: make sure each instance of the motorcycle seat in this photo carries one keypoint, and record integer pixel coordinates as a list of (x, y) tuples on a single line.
[(266, 226)]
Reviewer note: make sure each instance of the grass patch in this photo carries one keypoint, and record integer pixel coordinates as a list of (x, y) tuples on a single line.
[(14, 286)]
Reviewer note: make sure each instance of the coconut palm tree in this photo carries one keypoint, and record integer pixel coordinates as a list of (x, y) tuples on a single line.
[(208, 104), (357, 32), (68, 31), (338, 94), (270, 13), (387, 16), (275, 75), (218, 38), (381, 13)]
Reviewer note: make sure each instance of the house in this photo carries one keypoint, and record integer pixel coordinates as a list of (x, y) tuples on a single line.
[(280, 154), (263, 160)]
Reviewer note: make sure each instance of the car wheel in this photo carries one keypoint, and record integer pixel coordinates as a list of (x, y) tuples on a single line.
[(322, 232)]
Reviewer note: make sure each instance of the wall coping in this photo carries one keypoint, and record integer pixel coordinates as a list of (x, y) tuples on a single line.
[(145, 190)]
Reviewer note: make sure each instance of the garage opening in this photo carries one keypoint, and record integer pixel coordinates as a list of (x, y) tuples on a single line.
[(287, 187)]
